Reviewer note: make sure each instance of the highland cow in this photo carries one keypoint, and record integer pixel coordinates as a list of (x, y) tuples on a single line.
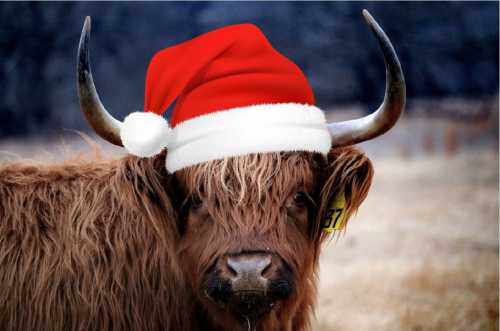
[(227, 244)]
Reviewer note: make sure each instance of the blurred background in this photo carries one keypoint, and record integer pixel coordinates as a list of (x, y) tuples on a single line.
[(422, 253)]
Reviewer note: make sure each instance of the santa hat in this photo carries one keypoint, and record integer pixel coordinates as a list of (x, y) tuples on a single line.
[(234, 95)]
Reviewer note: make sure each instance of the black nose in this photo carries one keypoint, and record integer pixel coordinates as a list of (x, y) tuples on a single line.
[(247, 272), (249, 283)]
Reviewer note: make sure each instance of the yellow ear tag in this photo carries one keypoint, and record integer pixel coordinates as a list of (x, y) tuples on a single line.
[(335, 215)]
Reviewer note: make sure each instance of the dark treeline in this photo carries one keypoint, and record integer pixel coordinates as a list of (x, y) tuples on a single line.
[(446, 49)]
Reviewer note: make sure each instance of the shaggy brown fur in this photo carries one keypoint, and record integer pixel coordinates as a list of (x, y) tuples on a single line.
[(88, 246), (94, 245)]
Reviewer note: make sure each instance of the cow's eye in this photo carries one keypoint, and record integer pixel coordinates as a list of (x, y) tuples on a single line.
[(299, 206), (300, 201), (195, 203)]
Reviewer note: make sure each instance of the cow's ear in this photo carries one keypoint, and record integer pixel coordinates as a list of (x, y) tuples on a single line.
[(346, 181)]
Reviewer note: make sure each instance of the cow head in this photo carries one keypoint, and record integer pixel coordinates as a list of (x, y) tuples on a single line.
[(251, 226)]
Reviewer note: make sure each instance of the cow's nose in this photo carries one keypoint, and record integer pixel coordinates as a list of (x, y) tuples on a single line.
[(249, 283), (247, 272), (250, 276)]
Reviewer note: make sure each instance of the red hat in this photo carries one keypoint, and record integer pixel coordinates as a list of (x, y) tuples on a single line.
[(234, 94)]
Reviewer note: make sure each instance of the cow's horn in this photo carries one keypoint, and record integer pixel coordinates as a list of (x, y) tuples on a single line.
[(105, 125), (368, 127)]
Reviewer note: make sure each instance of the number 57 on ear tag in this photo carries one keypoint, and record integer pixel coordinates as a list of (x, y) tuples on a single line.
[(334, 219)]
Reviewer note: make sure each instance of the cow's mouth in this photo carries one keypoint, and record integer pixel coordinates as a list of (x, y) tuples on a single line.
[(250, 305), (247, 306)]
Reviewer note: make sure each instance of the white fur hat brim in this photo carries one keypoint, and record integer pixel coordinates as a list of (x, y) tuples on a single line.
[(253, 129)]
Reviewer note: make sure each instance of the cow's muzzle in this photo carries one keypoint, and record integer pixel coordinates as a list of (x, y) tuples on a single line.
[(249, 284)]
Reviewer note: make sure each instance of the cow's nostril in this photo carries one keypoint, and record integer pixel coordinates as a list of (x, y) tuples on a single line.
[(264, 265), (266, 271), (233, 267), (233, 273)]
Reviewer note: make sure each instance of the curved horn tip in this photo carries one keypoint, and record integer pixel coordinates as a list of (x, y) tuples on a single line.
[(87, 23), (372, 23), (367, 15), (86, 27), (85, 35), (83, 51)]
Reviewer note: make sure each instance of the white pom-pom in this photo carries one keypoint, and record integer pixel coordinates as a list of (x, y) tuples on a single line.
[(144, 133)]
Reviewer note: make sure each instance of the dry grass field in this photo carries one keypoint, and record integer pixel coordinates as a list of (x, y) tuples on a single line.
[(421, 254)]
